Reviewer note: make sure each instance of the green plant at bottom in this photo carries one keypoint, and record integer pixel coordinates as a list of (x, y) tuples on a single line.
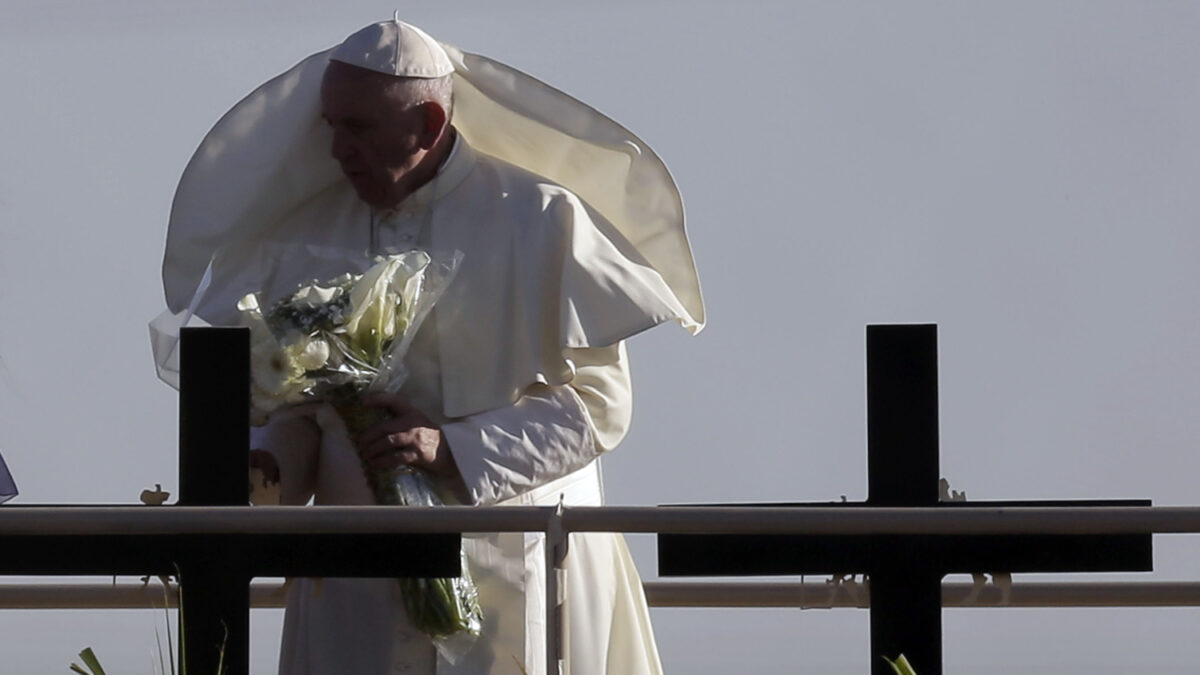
[(901, 665), (93, 664), (89, 659)]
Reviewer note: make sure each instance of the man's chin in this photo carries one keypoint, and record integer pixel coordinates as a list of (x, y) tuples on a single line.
[(372, 193), (369, 196)]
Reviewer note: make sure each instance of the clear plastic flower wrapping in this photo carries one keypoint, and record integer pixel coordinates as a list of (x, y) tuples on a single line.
[(338, 340)]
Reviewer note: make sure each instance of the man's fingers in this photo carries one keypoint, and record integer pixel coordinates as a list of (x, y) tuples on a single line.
[(385, 430), (395, 403), (265, 462), (401, 441), (391, 427), (397, 440), (385, 457), (408, 456), (376, 449)]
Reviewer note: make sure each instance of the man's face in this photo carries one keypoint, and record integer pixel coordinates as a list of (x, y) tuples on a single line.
[(377, 138)]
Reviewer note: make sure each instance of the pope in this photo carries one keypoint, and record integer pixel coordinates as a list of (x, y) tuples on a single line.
[(571, 237)]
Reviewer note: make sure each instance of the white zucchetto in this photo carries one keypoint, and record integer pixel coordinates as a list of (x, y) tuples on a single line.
[(394, 48)]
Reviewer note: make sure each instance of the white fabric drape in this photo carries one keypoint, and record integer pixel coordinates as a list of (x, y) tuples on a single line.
[(267, 159)]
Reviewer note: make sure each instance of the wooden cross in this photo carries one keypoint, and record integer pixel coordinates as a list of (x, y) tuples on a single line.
[(215, 571), (905, 571)]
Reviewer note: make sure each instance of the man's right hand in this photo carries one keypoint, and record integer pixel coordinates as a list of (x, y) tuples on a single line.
[(265, 462)]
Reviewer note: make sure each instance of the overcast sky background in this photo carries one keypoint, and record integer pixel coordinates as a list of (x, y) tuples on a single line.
[(1021, 173)]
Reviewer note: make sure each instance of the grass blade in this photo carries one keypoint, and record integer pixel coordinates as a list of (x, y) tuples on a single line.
[(90, 660), (221, 657), (162, 667), (170, 640), (901, 665)]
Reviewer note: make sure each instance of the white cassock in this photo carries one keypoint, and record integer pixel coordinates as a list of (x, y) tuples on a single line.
[(541, 447), (522, 360)]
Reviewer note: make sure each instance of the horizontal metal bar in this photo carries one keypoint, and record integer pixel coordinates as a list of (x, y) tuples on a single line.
[(807, 595), (33, 520), (117, 596), (190, 520), (818, 595), (885, 520), (262, 555)]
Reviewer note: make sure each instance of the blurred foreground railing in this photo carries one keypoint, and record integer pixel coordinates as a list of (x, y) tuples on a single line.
[(32, 520), (244, 520), (802, 595)]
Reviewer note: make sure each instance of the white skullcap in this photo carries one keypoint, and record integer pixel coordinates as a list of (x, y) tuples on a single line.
[(394, 48)]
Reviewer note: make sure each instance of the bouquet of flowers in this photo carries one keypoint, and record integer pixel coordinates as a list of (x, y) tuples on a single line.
[(337, 340)]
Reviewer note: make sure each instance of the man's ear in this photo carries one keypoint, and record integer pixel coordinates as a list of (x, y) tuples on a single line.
[(435, 123)]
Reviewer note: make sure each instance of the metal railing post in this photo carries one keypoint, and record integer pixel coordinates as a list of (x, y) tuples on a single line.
[(556, 553)]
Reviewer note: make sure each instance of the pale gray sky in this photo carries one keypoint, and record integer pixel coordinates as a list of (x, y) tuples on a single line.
[(1020, 173)]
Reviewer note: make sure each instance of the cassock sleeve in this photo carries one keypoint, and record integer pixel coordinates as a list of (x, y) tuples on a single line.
[(551, 431)]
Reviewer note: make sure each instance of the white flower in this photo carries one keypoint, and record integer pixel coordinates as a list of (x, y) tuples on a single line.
[(315, 296), (391, 284), (275, 369), (248, 305), (277, 372), (311, 353), (262, 403)]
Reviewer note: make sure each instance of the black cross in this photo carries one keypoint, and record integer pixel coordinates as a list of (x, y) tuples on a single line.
[(215, 571), (905, 570)]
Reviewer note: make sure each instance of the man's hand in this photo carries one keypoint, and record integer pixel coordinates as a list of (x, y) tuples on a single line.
[(264, 479), (407, 437), (265, 462)]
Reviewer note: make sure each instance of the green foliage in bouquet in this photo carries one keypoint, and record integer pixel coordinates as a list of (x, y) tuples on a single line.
[(441, 606)]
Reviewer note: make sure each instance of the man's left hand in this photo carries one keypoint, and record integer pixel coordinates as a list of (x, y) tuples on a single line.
[(407, 437)]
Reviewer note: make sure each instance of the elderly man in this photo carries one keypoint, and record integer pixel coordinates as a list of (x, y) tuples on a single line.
[(570, 232)]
